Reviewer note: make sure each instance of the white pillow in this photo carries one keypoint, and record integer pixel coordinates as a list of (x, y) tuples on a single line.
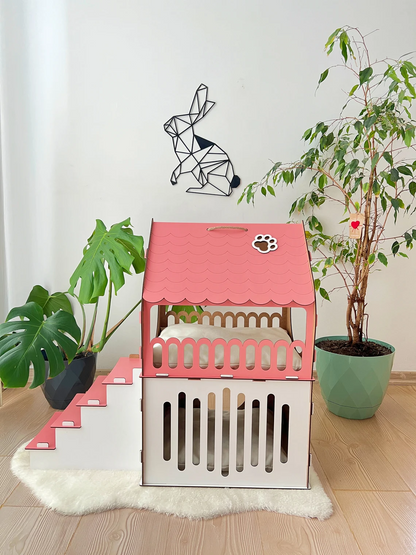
[(201, 331)]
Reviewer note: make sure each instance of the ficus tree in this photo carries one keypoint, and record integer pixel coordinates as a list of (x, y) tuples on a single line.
[(362, 162)]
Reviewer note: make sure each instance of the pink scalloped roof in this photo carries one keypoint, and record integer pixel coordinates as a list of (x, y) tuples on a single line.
[(186, 263)]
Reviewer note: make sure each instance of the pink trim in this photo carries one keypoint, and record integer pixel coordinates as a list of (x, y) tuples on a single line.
[(72, 414), (96, 395), (122, 373), (46, 436), (241, 371)]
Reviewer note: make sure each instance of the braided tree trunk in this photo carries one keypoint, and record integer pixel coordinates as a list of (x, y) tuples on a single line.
[(356, 300)]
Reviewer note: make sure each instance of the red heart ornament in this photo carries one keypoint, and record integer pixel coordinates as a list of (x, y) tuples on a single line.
[(355, 224)]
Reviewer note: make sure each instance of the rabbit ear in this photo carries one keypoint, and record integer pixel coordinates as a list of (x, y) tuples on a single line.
[(200, 104)]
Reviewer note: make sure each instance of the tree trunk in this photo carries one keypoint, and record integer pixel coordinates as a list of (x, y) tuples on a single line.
[(356, 308)]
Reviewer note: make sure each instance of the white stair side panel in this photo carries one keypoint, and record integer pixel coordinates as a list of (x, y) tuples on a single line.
[(110, 437)]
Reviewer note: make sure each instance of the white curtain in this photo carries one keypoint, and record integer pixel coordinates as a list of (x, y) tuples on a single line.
[(3, 267), (33, 100)]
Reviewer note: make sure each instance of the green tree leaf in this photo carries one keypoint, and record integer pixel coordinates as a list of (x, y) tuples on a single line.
[(117, 248), (383, 258), (374, 161), (22, 343), (329, 262), (352, 91), (365, 75), (405, 170), (324, 293), (368, 122), (371, 258), (388, 157), (323, 76), (409, 136), (49, 303), (394, 174)]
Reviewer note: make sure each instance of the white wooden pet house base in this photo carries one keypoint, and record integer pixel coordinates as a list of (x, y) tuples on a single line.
[(226, 433)]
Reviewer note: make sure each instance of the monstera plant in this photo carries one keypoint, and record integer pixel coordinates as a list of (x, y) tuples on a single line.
[(44, 329)]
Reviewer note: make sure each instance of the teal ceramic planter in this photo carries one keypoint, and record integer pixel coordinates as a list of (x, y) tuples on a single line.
[(353, 387)]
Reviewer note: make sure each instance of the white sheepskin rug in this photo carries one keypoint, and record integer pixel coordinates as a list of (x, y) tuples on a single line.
[(79, 492)]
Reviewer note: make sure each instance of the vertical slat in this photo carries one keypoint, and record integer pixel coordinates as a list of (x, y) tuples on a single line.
[(189, 420), (262, 431), (248, 419), (218, 433), (174, 429), (277, 438), (232, 451), (203, 430), (289, 358)]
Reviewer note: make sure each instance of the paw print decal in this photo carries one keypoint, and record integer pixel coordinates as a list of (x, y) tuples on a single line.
[(264, 243)]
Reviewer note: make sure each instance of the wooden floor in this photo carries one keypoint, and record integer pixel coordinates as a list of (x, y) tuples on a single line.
[(368, 469)]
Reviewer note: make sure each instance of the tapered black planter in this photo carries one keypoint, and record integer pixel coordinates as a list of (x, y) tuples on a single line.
[(76, 378)]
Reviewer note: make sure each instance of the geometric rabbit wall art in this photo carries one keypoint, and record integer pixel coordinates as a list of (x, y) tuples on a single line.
[(209, 164)]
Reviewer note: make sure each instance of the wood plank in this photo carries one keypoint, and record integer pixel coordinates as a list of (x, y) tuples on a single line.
[(405, 396), (135, 532), (397, 439), (32, 411), (35, 531), (51, 533), (237, 534), (293, 535), (401, 420), (8, 482), (16, 525), (10, 394), (126, 531), (384, 523), (349, 454), (21, 496)]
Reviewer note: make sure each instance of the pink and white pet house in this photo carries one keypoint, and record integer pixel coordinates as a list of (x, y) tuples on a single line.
[(222, 398)]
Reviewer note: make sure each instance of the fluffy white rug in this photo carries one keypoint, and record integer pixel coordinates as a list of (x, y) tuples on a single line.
[(79, 492)]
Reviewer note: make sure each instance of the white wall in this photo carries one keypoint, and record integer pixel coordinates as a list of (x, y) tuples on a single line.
[(86, 86)]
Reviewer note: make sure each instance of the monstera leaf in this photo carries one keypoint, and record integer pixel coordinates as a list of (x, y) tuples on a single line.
[(49, 303), (23, 341), (116, 247)]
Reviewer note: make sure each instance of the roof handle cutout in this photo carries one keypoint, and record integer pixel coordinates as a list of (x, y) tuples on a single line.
[(227, 227)]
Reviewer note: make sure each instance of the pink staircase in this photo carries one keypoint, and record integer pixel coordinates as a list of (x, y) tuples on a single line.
[(99, 429)]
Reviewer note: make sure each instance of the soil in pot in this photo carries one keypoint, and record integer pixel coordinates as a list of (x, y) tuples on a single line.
[(343, 347)]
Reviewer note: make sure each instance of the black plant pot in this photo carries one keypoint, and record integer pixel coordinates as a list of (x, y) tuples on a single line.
[(76, 378)]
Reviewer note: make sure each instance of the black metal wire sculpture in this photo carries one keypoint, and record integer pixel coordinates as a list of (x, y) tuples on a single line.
[(209, 164)]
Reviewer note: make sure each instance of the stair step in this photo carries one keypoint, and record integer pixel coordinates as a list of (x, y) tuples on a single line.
[(96, 396), (45, 439), (71, 416), (122, 373)]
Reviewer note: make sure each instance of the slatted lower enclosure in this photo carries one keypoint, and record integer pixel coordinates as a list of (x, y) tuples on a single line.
[(226, 432)]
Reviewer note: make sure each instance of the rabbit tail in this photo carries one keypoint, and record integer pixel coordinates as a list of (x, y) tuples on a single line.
[(235, 182)]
